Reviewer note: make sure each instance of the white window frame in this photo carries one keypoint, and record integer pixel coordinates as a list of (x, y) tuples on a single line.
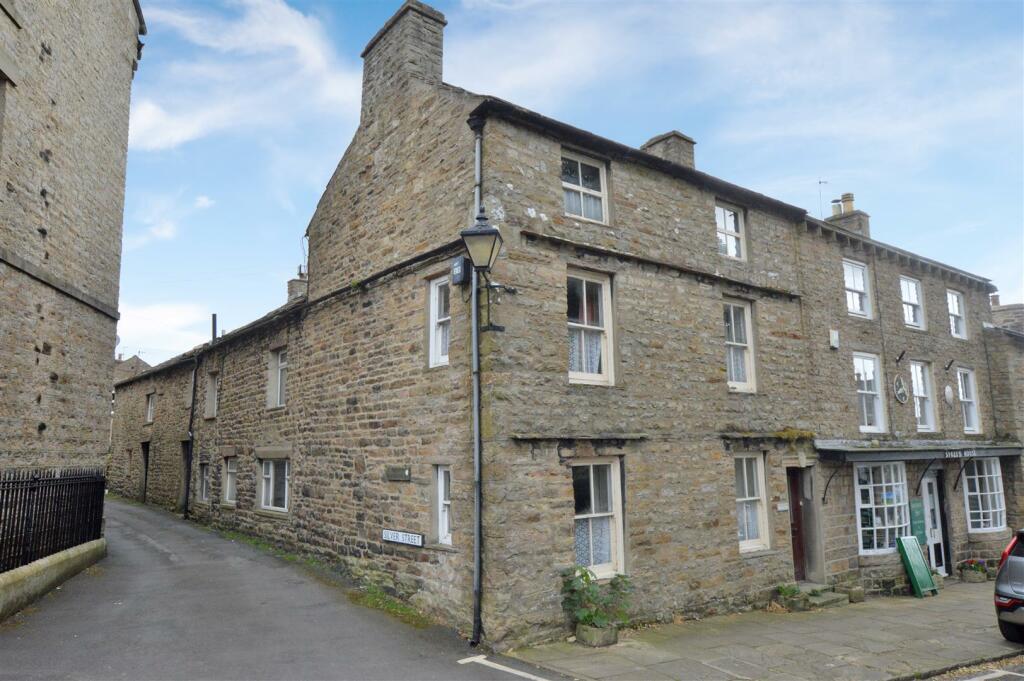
[(984, 484), (442, 483), (212, 395), (961, 314), (740, 236), (922, 388), (907, 285), (204, 482), (965, 377), (229, 488), (603, 194), (439, 354), (607, 375), (897, 481), (762, 541), (866, 293), (150, 407), (879, 394), (750, 385), (616, 566), (267, 478)]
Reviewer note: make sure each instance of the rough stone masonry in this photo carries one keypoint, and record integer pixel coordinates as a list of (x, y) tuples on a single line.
[(616, 433), (65, 80)]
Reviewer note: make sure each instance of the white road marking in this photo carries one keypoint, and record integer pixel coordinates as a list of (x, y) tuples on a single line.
[(482, 659), (997, 674)]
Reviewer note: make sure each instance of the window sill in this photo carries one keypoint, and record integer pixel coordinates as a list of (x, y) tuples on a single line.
[(960, 338), (229, 505), (758, 553), (742, 390), (922, 329), (438, 365), (731, 257), (865, 317), (209, 418), (268, 513), (444, 548), (580, 218), (874, 431), (147, 423), (991, 531), (590, 381), (280, 407)]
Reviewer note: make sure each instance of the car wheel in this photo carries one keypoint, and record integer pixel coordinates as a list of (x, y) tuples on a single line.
[(1011, 632)]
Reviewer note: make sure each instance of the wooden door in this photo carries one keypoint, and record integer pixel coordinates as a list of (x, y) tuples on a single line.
[(796, 523)]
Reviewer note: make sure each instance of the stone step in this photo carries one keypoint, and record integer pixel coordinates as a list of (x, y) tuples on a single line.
[(808, 587), (828, 599)]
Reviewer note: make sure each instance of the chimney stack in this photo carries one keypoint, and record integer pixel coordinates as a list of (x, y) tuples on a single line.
[(672, 146), (299, 286), (844, 215), (407, 49)]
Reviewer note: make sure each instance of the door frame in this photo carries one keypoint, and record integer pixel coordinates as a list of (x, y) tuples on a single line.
[(797, 531), (935, 478)]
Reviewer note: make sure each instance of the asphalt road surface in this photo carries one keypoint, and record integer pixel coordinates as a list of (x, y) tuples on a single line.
[(175, 601)]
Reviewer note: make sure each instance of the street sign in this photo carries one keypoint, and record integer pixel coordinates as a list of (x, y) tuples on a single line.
[(917, 525), (399, 537)]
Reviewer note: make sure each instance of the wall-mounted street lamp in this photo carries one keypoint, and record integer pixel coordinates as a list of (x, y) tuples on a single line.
[(483, 243)]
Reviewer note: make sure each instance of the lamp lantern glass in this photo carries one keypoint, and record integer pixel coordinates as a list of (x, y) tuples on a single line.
[(483, 243)]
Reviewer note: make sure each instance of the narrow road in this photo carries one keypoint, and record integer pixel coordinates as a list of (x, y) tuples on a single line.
[(175, 601)]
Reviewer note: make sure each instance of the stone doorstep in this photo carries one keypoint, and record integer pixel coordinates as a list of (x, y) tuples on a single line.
[(829, 599)]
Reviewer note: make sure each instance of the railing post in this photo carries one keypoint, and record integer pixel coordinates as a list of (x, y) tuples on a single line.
[(26, 544)]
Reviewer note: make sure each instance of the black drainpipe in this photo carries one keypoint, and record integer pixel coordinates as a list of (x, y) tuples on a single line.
[(192, 417)]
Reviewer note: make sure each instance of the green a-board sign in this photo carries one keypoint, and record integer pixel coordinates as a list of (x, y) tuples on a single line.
[(917, 526), (917, 568)]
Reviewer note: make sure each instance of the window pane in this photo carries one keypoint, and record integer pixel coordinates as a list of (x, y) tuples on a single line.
[(581, 489), (601, 535), (573, 204), (733, 246), (720, 218), (723, 245), (280, 483), (594, 311), (730, 221), (575, 350), (570, 171), (592, 209), (602, 489), (727, 314), (574, 294), (591, 177), (753, 488), (442, 301), (446, 485), (735, 364), (282, 385), (442, 337), (741, 484), (582, 542), (750, 519), (739, 316), (593, 351)]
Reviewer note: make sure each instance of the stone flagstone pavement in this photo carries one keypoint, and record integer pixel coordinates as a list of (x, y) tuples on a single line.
[(882, 638)]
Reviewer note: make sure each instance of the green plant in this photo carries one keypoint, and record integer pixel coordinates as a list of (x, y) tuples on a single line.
[(592, 604), (972, 564), (814, 592), (787, 590)]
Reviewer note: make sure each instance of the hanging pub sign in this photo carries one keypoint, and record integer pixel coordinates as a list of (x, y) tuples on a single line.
[(899, 389), (399, 537)]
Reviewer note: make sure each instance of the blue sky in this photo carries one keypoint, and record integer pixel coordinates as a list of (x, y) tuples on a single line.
[(241, 109)]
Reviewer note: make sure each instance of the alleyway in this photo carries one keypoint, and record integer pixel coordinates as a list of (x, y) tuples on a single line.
[(174, 601), (882, 638)]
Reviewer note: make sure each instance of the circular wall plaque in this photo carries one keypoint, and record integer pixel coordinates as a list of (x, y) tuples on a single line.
[(899, 389), (948, 394)]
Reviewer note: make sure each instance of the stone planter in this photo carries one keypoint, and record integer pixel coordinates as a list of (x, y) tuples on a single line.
[(797, 603), (973, 576), (991, 572), (596, 637)]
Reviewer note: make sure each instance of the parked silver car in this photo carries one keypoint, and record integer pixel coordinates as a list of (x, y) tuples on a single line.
[(1009, 597)]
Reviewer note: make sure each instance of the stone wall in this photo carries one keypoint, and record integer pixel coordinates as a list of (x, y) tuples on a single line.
[(63, 139)]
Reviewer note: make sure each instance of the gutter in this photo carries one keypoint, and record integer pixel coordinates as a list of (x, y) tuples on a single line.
[(476, 123), (191, 435)]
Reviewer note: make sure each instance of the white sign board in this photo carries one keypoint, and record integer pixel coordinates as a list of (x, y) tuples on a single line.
[(410, 538)]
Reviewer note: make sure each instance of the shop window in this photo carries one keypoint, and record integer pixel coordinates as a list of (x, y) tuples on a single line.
[(983, 495), (598, 516), (882, 513)]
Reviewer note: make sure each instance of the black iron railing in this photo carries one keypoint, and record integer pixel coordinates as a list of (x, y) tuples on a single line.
[(46, 511)]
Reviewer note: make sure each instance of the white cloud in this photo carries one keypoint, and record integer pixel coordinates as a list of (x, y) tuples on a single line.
[(266, 66), (159, 331), (159, 216)]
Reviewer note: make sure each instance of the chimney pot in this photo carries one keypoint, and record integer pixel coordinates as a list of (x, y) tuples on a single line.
[(837, 207), (847, 202)]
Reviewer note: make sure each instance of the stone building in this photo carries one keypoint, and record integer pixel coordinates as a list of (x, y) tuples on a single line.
[(65, 81), (696, 385)]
